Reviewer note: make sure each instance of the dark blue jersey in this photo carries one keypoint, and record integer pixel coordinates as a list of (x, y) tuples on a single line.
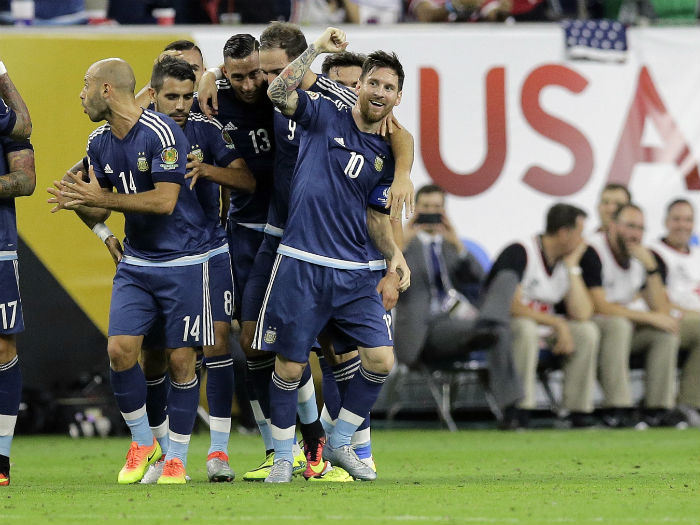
[(7, 119), (208, 144), (337, 169), (8, 220), (250, 128), (287, 135), (155, 150)]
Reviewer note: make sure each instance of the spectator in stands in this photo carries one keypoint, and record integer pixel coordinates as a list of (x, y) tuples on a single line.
[(552, 305), (611, 198), (617, 268), (373, 11), (681, 262), (66, 12), (434, 320), (478, 10)]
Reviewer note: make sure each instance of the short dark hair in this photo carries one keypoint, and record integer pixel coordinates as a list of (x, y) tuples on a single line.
[(378, 59), (342, 59), (183, 45), (676, 202), (562, 216), (241, 45), (286, 36), (623, 207), (614, 186), (170, 67), (429, 188)]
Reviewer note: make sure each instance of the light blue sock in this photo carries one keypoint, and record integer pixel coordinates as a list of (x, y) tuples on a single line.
[(178, 449), (306, 398)]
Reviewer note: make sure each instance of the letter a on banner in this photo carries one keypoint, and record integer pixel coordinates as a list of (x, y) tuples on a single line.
[(648, 104)]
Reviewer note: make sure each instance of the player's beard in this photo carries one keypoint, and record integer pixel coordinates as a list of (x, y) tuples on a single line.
[(370, 114)]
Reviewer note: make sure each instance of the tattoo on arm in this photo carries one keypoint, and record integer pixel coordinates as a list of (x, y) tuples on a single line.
[(379, 228), (21, 179), (290, 78), (9, 93)]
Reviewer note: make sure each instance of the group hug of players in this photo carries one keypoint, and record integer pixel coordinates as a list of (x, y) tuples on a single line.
[(306, 173)]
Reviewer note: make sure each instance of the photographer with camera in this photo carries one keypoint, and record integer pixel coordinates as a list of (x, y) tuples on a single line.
[(435, 322)]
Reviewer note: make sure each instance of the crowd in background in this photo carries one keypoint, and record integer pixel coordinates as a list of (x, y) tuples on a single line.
[(167, 12)]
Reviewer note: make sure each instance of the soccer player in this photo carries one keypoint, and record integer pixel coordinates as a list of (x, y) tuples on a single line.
[(213, 162), (18, 179), (345, 68), (326, 269), (168, 247), (14, 115)]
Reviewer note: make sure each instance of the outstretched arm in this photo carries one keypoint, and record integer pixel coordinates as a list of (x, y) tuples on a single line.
[(282, 91), (9, 93)]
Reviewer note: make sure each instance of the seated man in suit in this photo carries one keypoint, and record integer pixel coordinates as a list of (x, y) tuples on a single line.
[(434, 320), (551, 307)]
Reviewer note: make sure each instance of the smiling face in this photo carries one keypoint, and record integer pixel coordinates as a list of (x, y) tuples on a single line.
[(679, 225), (378, 93), (175, 99), (246, 77)]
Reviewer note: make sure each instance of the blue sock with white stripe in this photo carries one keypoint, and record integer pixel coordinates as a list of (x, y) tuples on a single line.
[(259, 371), (182, 411), (10, 396), (331, 396), (199, 360), (363, 390), (343, 373), (283, 400), (129, 388), (220, 398), (156, 408), (306, 398)]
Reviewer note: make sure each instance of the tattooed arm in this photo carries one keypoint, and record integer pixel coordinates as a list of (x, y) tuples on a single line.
[(282, 91), (9, 93), (380, 231), (21, 179)]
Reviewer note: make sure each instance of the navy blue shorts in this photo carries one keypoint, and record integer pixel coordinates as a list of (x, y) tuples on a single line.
[(258, 278), (11, 319), (243, 244), (178, 294), (302, 298)]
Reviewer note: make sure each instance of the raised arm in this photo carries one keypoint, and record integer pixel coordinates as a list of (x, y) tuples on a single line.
[(282, 91), (8, 92), (21, 177)]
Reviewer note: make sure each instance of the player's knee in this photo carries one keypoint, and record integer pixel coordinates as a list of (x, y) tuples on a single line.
[(378, 360), (288, 370), (153, 362), (122, 354), (181, 364), (8, 349), (220, 346)]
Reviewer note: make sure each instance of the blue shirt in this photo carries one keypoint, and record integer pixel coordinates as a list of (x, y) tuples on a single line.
[(7, 119), (209, 145), (287, 135), (250, 128), (154, 150), (8, 218), (337, 169)]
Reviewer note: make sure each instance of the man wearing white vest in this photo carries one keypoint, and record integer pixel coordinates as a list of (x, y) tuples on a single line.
[(682, 265), (618, 270), (551, 307)]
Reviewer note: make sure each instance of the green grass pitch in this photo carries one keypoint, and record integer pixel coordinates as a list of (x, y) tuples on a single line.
[(592, 476)]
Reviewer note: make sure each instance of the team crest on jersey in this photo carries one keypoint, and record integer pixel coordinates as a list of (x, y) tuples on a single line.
[(313, 95), (378, 163), (169, 157), (142, 162), (198, 154), (227, 139), (270, 336)]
